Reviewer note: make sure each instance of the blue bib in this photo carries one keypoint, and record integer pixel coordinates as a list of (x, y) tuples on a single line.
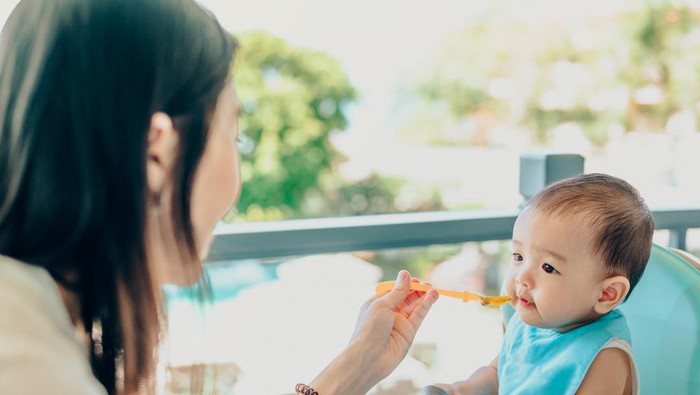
[(543, 361)]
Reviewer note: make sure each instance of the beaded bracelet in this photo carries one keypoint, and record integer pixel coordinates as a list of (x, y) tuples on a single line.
[(303, 389)]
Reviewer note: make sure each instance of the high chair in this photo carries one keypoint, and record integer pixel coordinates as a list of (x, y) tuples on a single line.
[(663, 314)]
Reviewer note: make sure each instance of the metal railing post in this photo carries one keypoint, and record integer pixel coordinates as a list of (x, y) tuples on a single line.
[(539, 169)]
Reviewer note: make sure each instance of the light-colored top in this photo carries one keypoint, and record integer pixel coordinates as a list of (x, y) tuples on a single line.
[(543, 361), (39, 350)]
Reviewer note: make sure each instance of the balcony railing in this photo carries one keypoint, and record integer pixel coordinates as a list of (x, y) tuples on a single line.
[(245, 345), (327, 235)]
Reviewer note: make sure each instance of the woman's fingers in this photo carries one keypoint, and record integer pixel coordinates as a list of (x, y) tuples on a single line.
[(421, 309), (401, 289), (414, 305)]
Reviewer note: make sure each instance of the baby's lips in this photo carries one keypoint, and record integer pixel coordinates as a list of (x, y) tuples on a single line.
[(524, 300)]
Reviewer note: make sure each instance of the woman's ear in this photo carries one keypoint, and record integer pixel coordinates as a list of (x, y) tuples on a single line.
[(613, 292), (161, 152)]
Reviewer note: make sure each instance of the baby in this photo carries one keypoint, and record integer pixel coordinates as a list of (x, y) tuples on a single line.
[(579, 248)]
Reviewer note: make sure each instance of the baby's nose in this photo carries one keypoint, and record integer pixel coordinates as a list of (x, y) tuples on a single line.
[(522, 277)]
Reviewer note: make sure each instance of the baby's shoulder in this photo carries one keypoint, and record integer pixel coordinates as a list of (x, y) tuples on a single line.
[(610, 372)]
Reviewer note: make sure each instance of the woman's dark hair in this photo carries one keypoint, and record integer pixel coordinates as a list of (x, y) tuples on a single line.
[(79, 83)]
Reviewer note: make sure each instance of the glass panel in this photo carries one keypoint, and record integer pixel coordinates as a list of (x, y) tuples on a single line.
[(662, 237), (693, 241), (274, 323)]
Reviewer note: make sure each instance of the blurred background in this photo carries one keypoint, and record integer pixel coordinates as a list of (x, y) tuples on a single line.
[(374, 107)]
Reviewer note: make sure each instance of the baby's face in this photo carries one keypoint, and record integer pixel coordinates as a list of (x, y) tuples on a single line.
[(554, 278)]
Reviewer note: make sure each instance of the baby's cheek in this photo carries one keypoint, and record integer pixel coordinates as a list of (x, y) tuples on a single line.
[(508, 286)]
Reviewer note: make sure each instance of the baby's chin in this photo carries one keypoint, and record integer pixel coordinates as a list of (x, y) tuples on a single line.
[(529, 320), (527, 314), (530, 315), (538, 321)]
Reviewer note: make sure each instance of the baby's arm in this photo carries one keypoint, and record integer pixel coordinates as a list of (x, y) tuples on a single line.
[(483, 381), (610, 373)]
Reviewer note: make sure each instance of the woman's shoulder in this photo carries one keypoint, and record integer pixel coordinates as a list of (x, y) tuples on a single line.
[(39, 351), (28, 297)]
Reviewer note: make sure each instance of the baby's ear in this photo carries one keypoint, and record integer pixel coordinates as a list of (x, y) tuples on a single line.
[(613, 292)]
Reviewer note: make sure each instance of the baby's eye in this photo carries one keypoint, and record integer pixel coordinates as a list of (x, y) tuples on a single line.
[(517, 257), (548, 268)]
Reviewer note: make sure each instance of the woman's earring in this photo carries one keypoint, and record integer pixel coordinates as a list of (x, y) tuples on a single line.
[(155, 201)]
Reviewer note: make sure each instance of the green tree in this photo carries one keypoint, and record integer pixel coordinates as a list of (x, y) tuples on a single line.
[(631, 71), (662, 55), (459, 87), (292, 99)]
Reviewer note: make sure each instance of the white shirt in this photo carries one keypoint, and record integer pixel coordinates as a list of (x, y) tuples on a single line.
[(39, 350)]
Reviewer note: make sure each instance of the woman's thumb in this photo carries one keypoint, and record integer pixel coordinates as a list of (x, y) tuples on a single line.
[(401, 288)]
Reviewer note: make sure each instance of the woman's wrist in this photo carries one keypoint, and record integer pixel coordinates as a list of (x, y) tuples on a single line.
[(434, 390), (303, 389), (348, 374)]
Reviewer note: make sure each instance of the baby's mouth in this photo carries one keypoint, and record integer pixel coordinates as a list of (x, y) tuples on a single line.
[(524, 302)]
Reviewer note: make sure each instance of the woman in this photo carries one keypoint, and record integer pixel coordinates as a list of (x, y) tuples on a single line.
[(117, 159)]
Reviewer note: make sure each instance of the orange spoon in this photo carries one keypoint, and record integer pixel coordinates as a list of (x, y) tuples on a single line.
[(466, 296)]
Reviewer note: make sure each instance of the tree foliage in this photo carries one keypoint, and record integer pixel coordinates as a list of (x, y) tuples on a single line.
[(630, 71), (663, 54), (292, 99)]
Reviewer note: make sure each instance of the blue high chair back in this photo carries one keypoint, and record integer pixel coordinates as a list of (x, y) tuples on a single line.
[(663, 314)]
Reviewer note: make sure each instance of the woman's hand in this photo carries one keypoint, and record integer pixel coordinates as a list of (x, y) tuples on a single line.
[(388, 324), (384, 332)]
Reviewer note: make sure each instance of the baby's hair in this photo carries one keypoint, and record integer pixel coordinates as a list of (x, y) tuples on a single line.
[(620, 222)]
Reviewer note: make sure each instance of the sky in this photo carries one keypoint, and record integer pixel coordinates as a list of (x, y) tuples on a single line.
[(378, 42), (381, 43), (6, 7), (384, 43)]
